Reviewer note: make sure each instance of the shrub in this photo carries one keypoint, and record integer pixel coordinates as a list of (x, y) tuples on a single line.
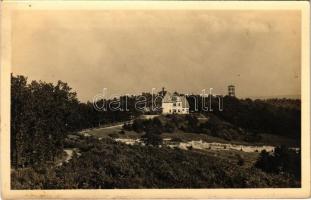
[(283, 160), (176, 139), (192, 122), (113, 135), (241, 160), (108, 164), (152, 139), (170, 127), (127, 127), (144, 125), (138, 125), (252, 137)]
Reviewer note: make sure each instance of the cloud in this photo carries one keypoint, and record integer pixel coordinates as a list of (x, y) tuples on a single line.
[(134, 51)]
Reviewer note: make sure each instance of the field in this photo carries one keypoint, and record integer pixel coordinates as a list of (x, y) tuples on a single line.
[(249, 158), (266, 139), (99, 158), (108, 164)]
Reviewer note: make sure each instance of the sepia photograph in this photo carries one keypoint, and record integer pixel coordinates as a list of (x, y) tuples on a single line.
[(155, 97)]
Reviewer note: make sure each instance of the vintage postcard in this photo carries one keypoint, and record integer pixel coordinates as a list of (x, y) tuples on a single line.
[(148, 99)]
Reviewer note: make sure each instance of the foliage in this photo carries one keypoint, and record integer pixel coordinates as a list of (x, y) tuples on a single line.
[(212, 125), (274, 116), (107, 164), (152, 139), (113, 135), (283, 160), (144, 125), (192, 123), (43, 114), (127, 126), (241, 160)]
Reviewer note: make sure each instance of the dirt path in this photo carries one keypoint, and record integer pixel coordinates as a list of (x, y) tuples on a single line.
[(107, 127)]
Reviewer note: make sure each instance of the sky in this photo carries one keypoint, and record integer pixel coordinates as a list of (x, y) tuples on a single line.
[(133, 51)]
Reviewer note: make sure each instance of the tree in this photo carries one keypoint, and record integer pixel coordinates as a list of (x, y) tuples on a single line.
[(192, 123), (42, 114), (152, 138), (283, 160)]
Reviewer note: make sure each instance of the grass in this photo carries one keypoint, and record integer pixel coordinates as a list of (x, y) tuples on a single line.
[(267, 139), (105, 132), (107, 164), (232, 155), (278, 140)]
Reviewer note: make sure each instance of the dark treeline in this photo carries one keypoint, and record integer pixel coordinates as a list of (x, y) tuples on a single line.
[(283, 160), (274, 116), (44, 113), (192, 123), (41, 116)]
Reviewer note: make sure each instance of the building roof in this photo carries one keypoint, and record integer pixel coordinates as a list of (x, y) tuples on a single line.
[(184, 102), (168, 98), (171, 98)]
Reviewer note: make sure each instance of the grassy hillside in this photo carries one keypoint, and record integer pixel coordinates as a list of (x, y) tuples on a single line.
[(107, 164)]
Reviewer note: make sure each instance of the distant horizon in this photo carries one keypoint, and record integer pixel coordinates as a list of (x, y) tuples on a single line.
[(278, 96)]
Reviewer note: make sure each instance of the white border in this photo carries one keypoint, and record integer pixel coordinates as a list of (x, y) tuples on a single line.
[(8, 7)]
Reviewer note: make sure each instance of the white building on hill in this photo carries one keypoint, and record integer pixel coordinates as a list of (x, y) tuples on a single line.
[(174, 104)]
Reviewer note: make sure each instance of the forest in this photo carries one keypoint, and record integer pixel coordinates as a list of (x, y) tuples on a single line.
[(44, 114), (275, 116)]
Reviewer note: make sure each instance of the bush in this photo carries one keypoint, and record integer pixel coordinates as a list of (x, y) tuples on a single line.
[(252, 137), (113, 165), (127, 127), (113, 135), (152, 139), (241, 160), (144, 125), (170, 127), (283, 160), (176, 139), (192, 122), (138, 125)]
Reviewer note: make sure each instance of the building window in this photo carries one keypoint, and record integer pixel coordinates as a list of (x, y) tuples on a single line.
[(170, 111), (174, 104)]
